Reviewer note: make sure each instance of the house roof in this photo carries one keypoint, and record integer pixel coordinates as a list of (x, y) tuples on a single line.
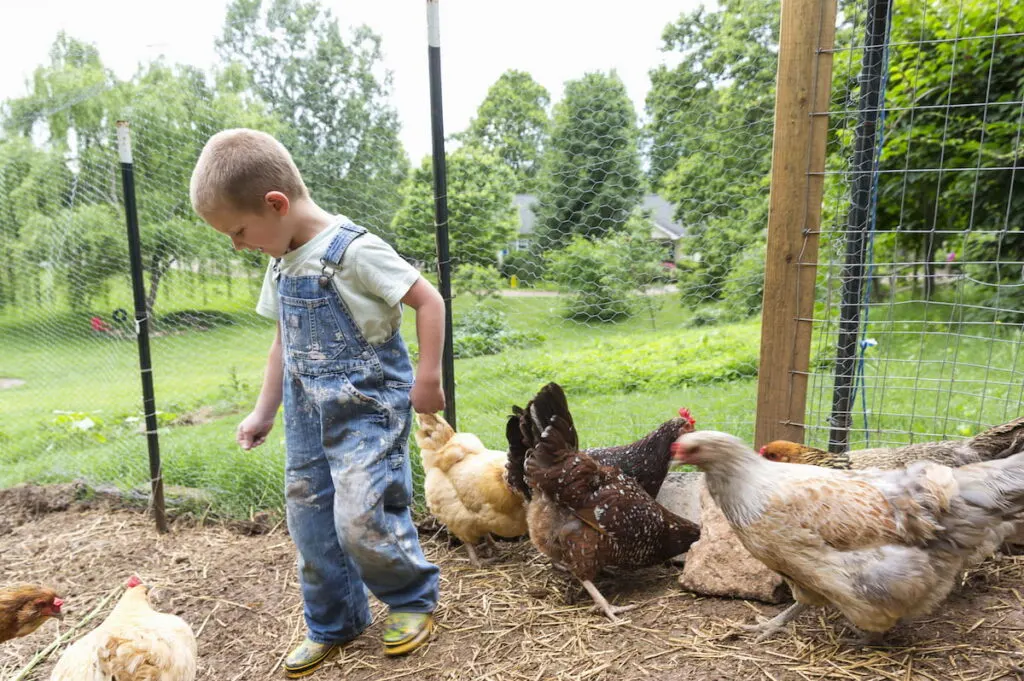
[(662, 213)]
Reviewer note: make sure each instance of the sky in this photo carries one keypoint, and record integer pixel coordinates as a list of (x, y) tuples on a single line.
[(554, 40)]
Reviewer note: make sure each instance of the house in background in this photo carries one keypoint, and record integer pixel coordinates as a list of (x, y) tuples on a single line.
[(664, 228)]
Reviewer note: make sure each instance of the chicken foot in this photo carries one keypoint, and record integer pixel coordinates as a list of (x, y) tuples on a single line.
[(600, 603), (474, 558), (767, 628)]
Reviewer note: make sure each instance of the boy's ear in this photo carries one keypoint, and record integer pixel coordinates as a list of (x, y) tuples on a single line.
[(278, 202)]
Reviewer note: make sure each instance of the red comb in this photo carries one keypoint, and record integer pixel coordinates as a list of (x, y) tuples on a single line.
[(762, 450), (685, 413), (676, 448), (57, 602), (132, 582)]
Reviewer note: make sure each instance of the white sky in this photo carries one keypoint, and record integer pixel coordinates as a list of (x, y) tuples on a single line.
[(554, 40)]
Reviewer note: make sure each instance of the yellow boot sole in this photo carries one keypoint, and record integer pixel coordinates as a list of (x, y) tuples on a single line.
[(407, 646)]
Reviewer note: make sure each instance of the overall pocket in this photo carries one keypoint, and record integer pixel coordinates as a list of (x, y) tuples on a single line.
[(310, 329)]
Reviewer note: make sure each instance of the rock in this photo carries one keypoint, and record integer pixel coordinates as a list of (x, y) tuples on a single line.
[(718, 565), (680, 493)]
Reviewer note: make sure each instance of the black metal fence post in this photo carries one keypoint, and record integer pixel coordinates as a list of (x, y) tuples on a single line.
[(124, 148), (859, 221), (444, 264)]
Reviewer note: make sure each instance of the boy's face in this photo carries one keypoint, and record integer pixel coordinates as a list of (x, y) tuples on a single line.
[(266, 231)]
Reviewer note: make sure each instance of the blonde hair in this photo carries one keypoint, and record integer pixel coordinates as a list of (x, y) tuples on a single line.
[(238, 167)]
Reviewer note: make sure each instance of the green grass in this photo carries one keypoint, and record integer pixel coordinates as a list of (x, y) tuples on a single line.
[(622, 380)]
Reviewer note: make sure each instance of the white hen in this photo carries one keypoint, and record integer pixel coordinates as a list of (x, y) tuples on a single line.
[(134, 643)]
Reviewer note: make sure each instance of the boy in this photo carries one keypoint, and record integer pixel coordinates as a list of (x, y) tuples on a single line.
[(344, 374)]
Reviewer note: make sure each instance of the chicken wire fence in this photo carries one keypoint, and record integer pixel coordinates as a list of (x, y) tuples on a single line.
[(917, 325), (611, 245)]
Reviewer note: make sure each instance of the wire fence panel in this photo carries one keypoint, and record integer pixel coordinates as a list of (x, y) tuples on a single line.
[(615, 246), (918, 323)]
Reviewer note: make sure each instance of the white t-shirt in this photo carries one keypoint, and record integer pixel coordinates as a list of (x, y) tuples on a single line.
[(372, 281)]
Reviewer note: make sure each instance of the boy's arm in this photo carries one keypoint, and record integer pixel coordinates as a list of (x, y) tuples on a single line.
[(253, 431), (427, 396)]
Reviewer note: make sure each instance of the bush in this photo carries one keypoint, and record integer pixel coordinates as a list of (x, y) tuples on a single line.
[(485, 331), (527, 266), (595, 274), (480, 281)]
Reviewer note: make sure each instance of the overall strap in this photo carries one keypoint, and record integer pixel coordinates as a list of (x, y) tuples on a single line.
[(347, 233)]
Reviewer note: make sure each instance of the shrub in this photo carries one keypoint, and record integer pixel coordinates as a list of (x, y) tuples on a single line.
[(484, 330), (527, 266)]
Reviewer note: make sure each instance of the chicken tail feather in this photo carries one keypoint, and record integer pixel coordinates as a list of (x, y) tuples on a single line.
[(515, 472), (433, 433), (544, 407), (558, 469)]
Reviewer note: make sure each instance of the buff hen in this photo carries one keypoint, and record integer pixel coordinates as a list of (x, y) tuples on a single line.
[(465, 485), (879, 545), (134, 643)]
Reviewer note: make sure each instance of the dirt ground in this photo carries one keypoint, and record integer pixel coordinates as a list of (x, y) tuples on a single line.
[(238, 590)]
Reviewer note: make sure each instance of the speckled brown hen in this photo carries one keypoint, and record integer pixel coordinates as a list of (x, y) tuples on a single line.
[(646, 460), (584, 515)]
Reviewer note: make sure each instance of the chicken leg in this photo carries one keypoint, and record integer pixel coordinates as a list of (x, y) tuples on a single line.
[(768, 628), (600, 603)]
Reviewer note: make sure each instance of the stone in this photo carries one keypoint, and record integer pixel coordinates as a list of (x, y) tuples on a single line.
[(680, 494), (718, 564)]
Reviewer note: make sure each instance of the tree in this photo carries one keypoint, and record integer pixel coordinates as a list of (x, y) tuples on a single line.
[(710, 131), (482, 216), (591, 179), (952, 106), (332, 94), (32, 182), (58, 199), (512, 123), (176, 109)]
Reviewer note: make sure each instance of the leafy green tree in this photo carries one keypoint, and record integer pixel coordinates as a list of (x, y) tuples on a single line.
[(710, 131), (333, 96), (591, 178), (63, 192), (512, 123), (952, 106), (482, 216)]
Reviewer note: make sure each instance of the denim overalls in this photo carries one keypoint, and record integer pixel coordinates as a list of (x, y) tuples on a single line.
[(348, 483)]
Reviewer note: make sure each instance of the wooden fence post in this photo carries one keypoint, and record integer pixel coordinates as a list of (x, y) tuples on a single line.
[(803, 88)]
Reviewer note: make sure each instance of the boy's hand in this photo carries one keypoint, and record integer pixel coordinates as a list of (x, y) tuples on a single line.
[(253, 430), (426, 395)]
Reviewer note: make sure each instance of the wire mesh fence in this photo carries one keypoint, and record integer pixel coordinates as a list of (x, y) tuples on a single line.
[(918, 326), (614, 246)]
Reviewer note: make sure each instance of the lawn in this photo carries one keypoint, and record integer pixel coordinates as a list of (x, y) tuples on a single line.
[(77, 415)]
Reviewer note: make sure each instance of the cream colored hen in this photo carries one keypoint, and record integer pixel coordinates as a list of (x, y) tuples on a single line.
[(879, 545), (465, 485), (134, 643)]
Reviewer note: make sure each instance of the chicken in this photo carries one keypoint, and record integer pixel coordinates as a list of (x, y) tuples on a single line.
[(879, 545), (26, 607), (994, 443), (465, 485), (584, 515), (134, 643), (647, 460)]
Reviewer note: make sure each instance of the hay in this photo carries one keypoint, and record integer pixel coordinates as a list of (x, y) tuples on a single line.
[(511, 620)]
